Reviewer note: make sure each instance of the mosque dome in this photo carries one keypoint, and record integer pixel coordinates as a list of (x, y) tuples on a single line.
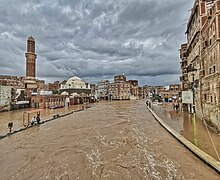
[(65, 93), (75, 82)]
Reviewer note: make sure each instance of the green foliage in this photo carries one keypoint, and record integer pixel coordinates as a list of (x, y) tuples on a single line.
[(55, 91), (156, 98)]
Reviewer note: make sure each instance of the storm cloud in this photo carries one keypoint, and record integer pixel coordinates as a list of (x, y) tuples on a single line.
[(95, 39)]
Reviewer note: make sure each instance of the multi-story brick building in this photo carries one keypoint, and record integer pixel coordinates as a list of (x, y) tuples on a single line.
[(93, 89), (148, 90), (120, 78), (40, 85), (158, 89), (175, 90), (166, 96), (194, 25), (134, 89), (210, 65), (120, 89), (16, 82), (171, 94), (202, 56), (141, 93), (55, 86)]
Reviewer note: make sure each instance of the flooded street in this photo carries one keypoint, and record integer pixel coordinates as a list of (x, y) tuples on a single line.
[(182, 122), (111, 140), (17, 116)]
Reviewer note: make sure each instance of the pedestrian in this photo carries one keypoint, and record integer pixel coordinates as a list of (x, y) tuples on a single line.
[(174, 106), (38, 118), (177, 106), (147, 103), (33, 121)]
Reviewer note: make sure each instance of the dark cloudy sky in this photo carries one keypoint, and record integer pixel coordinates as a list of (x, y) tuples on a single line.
[(95, 39)]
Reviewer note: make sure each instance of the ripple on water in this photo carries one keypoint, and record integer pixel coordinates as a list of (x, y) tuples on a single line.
[(95, 161), (123, 144)]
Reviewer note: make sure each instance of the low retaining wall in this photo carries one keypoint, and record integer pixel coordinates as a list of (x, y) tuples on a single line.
[(210, 161)]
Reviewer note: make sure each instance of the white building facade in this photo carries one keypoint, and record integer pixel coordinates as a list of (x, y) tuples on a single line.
[(102, 89), (5, 96)]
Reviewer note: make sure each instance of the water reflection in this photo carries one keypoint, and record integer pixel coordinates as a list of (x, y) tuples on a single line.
[(182, 122)]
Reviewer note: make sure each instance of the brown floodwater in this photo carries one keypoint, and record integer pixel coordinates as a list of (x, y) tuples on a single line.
[(17, 116), (111, 140), (182, 122)]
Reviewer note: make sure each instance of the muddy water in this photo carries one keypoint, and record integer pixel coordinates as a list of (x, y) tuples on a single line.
[(111, 140), (17, 117), (182, 122)]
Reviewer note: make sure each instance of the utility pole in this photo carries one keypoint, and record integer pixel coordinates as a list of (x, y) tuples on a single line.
[(194, 111)]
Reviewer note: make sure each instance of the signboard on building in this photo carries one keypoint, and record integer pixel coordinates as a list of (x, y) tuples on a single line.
[(187, 97)]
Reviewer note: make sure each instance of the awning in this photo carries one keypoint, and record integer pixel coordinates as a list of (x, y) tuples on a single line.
[(22, 102)]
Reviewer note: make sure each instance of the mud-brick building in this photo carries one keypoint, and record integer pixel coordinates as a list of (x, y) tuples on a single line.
[(175, 90), (47, 101), (120, 89), (190, 53), (55, 86), (201, 57), (193, 33), (134, 89), (171, 94), (16, 82), (210, 65)]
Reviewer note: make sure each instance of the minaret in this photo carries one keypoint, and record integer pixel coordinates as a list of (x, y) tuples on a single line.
[(30, 81)]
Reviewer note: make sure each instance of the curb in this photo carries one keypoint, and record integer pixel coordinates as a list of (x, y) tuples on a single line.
[(210, 161)]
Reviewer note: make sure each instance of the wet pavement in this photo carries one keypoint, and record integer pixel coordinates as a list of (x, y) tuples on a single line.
[(182, 122), (111, 140)]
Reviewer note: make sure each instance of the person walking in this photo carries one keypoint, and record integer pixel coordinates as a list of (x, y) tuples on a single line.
[(147, 103), (177, 106), (33, 121), (174, 106), (38, 118)]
